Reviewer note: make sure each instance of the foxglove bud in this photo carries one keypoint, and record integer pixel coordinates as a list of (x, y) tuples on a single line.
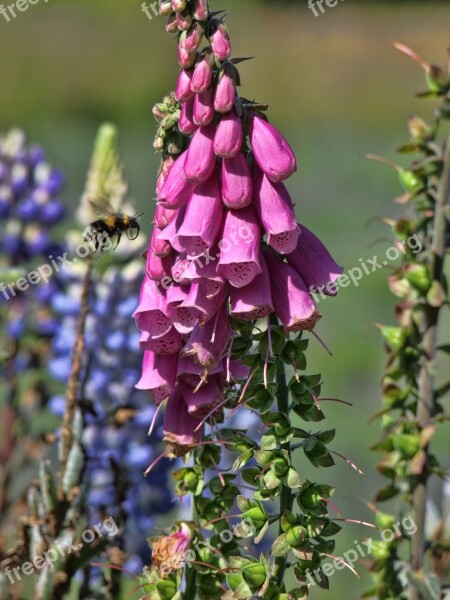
[(163, 173), (200, 157), (203, 74), (170, 233), (293, 304), (165, 7), (177, 190), (253, 301), (237, 187), (184, 21), (157, 267), (239, 259), (183, 90), (194, 38), (276, 213), (159, 247), (179, 5), (204, 108), (203, 218), (225, 92), (172, 25), (271, 151), (314, 263), (220, 42), (158, 375), (228, 138), (186, 123), (185, 58), (201, 10)]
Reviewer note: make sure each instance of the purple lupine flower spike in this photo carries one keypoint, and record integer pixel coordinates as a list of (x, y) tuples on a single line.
[(239, 259), (254, 301), (270, 149), (200, 157), (292, 301), (237, 186), (314, 263), (158, 375), (203, 112), (228, 138), (274, 206), (203, 218), (177, 189)]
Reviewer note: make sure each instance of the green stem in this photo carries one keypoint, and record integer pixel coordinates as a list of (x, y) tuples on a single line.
[(426, 402), (191, 573), (286, 497)]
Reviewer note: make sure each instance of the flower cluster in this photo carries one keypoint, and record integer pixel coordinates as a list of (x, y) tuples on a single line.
[(226, 245), (29, 202), (114, 437)]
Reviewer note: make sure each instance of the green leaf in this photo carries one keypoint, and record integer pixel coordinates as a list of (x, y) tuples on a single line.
[(280, 547)]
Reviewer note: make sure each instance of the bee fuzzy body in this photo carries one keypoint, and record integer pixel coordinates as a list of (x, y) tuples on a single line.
[(112, 224)]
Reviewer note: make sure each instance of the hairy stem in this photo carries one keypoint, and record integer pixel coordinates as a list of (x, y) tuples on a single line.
[(286, 498), (425, 408), (73, 384)]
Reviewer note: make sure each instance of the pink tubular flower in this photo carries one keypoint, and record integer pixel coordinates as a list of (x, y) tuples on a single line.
[(237, 187), (169, 551), (152, 314), (204, 268), (185, 58), (200, 10), (200, 157), (177, 190), (293, 304), (158, 375), (158, 246), (274, 206), (208, 344), (183, 90), (191, 373), (201, 402), (203, 74), (239, 259), (157, 267), (203, 218), (199, 305), (314, 263), (163, 173), (203, 112), (254, 301), (220, 42), (225, 92), (179, 426), (194, 38), (271, 151), (169, 343), (163, 216), (228, 138), (170, 233), (186, 123)]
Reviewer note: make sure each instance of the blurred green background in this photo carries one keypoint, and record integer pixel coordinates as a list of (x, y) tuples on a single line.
[(336, 88)]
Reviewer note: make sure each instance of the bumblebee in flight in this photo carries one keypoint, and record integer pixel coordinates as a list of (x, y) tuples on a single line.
[(111, 224)]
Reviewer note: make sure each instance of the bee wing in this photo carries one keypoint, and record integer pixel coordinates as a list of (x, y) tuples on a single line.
[(104, 209)]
